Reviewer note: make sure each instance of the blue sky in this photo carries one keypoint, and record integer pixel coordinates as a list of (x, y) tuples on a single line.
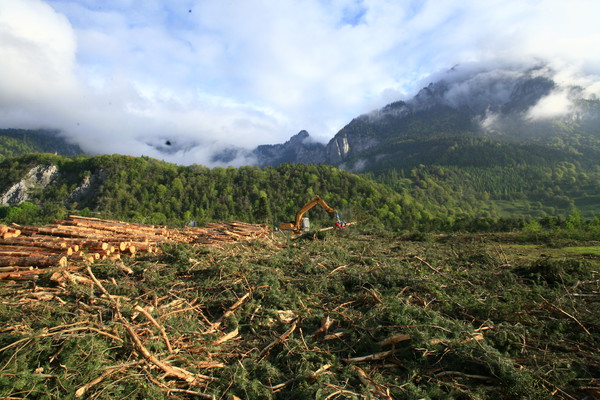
[(123, 76)]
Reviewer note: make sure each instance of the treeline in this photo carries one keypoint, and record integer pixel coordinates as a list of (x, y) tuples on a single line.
[(427, 198)]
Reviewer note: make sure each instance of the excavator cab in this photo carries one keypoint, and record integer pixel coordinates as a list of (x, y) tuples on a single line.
[(296, 226)]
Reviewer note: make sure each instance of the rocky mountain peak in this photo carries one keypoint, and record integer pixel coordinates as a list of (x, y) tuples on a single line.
[(299, 138), (299, 149), (431, 95)]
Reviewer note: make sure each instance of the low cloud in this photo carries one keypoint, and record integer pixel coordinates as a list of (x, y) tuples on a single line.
[(490, 89), (556, 104), (483, 89)]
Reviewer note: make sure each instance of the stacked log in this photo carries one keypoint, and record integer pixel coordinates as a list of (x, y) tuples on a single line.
[(214, 233), (79, 240), (7, 232)]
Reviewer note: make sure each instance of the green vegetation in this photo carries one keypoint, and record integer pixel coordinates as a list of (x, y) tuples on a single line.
[(444, 136), (429, 198), (511, 310), (495, 316), (17, 142), (500, 191), (448, 162), (155, 192), (591, 250)]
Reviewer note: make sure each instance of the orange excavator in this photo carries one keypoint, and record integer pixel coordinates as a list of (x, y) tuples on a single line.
[(296, 226)]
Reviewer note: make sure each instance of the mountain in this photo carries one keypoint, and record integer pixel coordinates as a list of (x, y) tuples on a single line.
[(475, 117), (487, 142), (299, 149), (15, 142)]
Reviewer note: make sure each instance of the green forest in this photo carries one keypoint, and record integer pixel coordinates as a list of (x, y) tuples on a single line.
[(15, 142), (426, 198), (151, 191)]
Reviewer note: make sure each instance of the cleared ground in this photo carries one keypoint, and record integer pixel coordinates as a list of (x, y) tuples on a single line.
[(343, 314)]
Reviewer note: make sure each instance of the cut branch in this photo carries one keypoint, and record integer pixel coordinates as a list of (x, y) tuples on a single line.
[(179, 373), (227, 337), (229, 312), (371, 357), (277, 341), (108, 372), (163, 333)]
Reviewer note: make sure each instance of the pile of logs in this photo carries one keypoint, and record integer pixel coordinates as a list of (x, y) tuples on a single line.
[(80, 240), (213, 233)]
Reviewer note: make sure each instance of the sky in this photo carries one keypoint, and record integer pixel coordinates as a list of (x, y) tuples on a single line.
[(126, 76)]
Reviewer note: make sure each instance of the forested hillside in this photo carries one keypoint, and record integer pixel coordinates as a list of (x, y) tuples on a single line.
[(16, 142), (542, 169), (500, 191), (429, 198), (151, 191), (466, 152), (482, 120)]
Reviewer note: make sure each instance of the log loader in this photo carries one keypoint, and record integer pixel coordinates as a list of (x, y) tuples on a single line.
[(296, 226)]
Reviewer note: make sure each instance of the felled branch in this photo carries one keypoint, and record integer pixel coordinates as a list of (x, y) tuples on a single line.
[(277, 341), (373, 387), (227, 337), (371, 357), (108, 372), (229, 312), (163, 333)]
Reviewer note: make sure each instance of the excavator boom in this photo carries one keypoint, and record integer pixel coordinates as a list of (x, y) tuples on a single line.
[(296, 227)]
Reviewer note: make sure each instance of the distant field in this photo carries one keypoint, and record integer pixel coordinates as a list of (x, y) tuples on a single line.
[(595, 250)]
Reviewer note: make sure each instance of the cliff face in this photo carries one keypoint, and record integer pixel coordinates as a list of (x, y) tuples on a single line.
[(44, 176), (37, 178), (345, 145)]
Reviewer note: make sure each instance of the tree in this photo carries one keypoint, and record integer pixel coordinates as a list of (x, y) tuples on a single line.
[(574, 220), (263, 208)]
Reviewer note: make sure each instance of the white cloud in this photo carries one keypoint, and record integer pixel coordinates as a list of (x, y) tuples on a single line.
[(38, 53), (119, 74), (556, 104)]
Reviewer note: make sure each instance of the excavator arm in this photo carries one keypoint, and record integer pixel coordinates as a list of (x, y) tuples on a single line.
[(296, 226)]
